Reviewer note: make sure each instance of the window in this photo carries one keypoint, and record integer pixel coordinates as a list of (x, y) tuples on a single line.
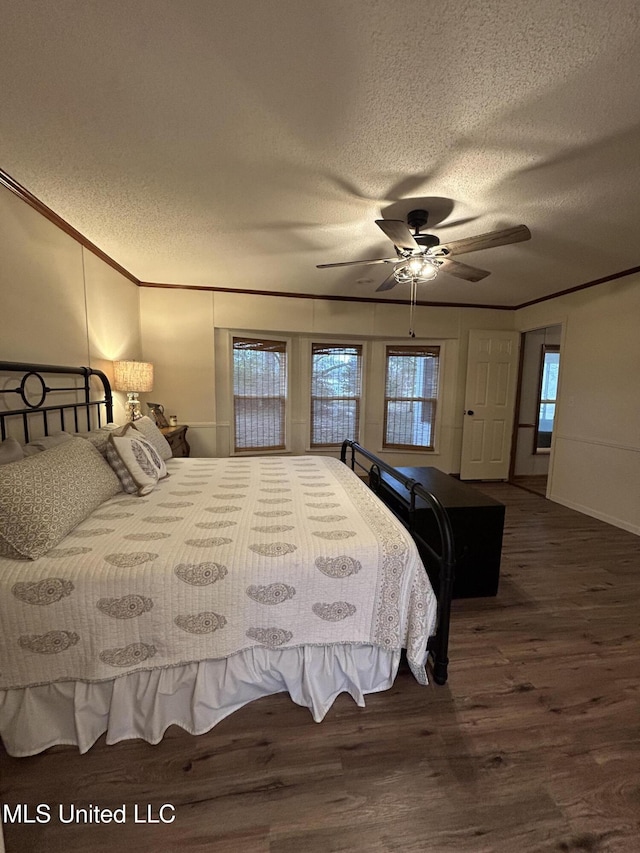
[(411, 389), (547, 395), (336, 386), (259, 394)]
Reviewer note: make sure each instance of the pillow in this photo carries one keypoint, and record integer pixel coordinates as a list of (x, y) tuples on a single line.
[(46, 442), (98, 437), (10, 451), (135, 461), (153, 435), (43, 497)]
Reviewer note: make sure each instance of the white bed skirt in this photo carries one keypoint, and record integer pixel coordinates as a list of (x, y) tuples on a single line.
[(194, 696)]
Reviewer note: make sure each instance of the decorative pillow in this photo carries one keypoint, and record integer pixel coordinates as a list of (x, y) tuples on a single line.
[(153, 435), (135, 461), (43, 497), (46, 442), (98, 437), (10, 451)]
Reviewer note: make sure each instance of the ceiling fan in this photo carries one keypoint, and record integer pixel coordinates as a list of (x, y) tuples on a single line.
[(419, 257)]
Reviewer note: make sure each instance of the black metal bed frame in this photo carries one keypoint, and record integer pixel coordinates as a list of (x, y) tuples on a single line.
[(81, 410), (438, 646), (86, 407)]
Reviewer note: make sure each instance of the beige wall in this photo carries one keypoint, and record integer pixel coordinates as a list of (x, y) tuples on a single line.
[(187, 334), (177, 335), (60, 304), (595, 460)]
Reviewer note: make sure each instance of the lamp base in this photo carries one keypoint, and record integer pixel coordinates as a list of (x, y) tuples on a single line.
[(133, 406)]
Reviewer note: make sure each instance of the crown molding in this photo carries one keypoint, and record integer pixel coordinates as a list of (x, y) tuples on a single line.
[(613, 277), (321, 296), (11, 184), (23, 193)]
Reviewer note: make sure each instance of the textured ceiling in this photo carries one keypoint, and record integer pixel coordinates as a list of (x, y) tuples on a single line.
[(240, 144)]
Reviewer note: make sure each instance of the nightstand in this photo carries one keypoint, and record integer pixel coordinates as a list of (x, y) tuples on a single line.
[(177, 438)]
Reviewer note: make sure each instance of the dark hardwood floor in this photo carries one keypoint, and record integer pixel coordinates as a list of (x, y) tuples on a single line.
[(536, 483), (534, 744)]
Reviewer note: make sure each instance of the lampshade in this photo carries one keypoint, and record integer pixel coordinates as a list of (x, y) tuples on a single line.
[(133, 376)]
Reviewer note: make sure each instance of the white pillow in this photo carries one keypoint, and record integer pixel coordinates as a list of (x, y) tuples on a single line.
[(135, 461), (153, 435)]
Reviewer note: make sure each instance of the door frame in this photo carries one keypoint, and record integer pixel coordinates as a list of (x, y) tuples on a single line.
[(514, 437)]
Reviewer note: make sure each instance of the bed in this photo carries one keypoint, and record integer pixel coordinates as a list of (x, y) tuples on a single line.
[(221, 581)]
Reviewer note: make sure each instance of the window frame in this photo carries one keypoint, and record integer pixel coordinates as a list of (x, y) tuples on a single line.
[(259, 336), (361, 345), (545, 348), (437, 350)]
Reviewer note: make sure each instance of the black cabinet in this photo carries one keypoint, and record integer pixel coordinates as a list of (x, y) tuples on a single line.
[(477, 521)]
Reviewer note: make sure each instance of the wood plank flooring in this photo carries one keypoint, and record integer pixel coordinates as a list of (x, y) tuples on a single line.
[(532, 482), (533, 745)]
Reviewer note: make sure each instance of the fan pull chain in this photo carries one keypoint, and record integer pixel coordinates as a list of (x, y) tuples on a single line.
[(414, 295)]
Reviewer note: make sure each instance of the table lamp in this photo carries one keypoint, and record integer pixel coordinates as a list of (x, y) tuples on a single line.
[(134, 377)]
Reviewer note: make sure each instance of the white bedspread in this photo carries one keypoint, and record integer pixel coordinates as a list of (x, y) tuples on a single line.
[(224, 556)]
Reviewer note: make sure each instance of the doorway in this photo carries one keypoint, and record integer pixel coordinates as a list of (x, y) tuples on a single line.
[(535, 408)]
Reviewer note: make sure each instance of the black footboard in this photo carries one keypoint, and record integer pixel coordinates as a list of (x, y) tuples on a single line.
[(444, 557)]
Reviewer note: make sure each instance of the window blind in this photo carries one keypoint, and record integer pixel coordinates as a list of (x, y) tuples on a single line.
[(259, 393), (411, 390), (336, 388)]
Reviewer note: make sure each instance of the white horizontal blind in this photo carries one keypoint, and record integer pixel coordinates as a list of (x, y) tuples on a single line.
[(259, 393), (336, 388), (411, 390)]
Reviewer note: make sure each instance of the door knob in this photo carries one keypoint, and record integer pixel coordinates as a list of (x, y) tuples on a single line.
[(469, 412)]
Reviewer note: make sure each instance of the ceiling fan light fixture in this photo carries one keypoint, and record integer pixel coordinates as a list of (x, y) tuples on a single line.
[(416, 268)]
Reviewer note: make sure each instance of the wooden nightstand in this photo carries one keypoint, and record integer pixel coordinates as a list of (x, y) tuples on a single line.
[(177, 438)]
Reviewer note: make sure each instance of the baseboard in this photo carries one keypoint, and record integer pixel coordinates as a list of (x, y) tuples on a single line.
[(601, 516)]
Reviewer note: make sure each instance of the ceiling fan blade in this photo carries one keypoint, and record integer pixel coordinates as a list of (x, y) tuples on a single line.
[(461, 270), (455, 223), (486, 241), (354, 263), (398, 232), (388, 283)]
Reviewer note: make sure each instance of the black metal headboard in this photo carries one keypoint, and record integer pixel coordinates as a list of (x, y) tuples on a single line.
[(30, 385)]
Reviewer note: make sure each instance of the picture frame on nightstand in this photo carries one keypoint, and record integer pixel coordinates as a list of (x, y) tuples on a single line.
[(156, 412)]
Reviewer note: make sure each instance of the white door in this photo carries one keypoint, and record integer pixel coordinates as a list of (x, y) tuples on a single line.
[(492, 375)]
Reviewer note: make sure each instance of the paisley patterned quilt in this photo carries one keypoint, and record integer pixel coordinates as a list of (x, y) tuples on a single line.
[(223, 555)]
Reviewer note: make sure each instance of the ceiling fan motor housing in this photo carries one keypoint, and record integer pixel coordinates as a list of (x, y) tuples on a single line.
[(417, 219), (428, 240)]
